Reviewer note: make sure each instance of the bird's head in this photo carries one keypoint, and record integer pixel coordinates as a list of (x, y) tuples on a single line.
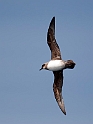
[(44, 66)]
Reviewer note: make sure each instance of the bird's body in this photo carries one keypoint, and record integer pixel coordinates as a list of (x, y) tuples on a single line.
[(57, 65)]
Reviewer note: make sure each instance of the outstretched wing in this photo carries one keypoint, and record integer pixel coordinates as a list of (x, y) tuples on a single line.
[(55, 50), (57, 88)]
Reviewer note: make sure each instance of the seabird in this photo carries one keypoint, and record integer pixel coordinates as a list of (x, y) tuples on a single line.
[(57, 65)]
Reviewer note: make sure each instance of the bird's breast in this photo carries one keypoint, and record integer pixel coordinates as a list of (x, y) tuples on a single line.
[(56, 65)]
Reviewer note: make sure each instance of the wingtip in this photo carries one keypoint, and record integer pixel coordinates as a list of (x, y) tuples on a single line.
[(64, 113), (52, 24), (53, 19), (62, 107)]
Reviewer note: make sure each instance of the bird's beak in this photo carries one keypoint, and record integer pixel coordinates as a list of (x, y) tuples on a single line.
[(40, 69)]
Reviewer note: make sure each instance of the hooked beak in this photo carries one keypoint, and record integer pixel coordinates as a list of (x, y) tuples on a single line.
[(40, 69)]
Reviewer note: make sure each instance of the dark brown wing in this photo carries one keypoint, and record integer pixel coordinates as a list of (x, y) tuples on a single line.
[(55, 50), (57, 88)]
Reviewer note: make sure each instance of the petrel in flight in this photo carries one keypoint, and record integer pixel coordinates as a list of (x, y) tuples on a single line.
[(57, 65)]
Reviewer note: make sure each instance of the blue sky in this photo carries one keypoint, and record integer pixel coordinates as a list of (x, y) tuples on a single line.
[(26, 94)]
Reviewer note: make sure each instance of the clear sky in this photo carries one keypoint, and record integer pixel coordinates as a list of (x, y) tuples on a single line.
[(26, 94)]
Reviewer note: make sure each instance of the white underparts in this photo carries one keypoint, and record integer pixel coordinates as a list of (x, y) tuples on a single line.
[(56, 65)]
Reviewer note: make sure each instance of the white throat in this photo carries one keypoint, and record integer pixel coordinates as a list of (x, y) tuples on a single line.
[(56, 65)]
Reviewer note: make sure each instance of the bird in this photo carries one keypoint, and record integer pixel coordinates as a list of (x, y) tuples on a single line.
[(56, 65)]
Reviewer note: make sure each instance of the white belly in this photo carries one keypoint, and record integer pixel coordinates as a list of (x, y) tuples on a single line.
[(55, 65)]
